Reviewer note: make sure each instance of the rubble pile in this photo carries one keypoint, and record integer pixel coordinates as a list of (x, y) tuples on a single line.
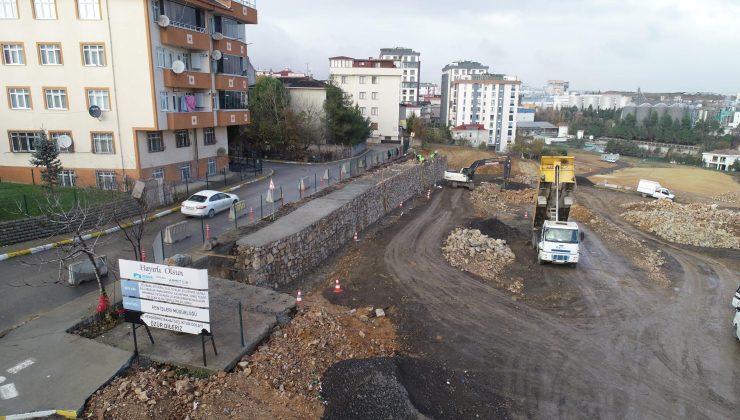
[(642, 256), (732, 197), (487, 197), (690, 224), (472, 251)]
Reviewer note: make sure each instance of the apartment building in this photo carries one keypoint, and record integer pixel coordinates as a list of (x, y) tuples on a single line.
[(144, 88), (409, 61), (450, 73), (490, 100), (374, 85)]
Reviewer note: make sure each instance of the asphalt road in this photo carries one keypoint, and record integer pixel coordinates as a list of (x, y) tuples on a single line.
[(31, 285)]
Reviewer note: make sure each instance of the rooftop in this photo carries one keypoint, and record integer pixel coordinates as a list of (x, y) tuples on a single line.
[(398, 51), (302, 82), (729, 152), (470, 127), (465, 64), (535, 124)]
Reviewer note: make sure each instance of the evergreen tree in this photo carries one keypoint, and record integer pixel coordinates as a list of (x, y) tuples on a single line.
[(46, 155), (345, 123)]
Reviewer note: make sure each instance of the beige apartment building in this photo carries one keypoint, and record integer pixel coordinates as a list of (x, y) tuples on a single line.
[(144, 88)]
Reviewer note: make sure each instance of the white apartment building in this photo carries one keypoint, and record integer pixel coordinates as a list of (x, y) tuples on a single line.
[(166, 77), (429, 89), (374, 85), (451, 72), (490, 100), (408, 60)]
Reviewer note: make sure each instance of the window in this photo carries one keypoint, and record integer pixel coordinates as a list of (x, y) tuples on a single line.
[(102, 143), (88, 9), (8, 9), (22, 141), (362, 95), (182, 138), (185, 171), (163, 100), (56, 98), (154, 142), (362, 80), (158, 173), (363, 110), (229, 28), (50, 54), (14, 55), (374, 111), (184, 16), (375, 96), (162, 61), (106, 180), (67, 178), (19, 98), (209, 136), (231, 64), (44, 9), (228, 99), (344, 80), (375, 80), (54, 136), (212, 166), (93, 55), (99, 97)]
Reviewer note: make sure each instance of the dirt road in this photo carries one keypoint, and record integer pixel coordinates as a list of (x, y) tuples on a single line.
[(597, 341)]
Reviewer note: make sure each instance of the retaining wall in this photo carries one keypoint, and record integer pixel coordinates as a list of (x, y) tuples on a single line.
[(38, 227), (300, 241)]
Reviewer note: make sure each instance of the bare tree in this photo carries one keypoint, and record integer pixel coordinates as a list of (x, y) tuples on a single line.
[(135, 227)]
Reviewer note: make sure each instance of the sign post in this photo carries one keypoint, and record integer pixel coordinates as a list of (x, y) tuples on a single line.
[(166, 297)]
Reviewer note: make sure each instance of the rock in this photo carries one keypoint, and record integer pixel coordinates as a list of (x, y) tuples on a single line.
[(183, 386), (197, 393), (221, 375), (247, 371), (180, 260), (379, 313), (362, 334), (243, 365), (152, 401), (364, 318)]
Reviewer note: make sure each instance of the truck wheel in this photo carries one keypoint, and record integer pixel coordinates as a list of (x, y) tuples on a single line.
[(644, 195)]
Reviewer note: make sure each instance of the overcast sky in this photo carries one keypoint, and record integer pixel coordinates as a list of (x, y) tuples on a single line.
[(658, 45)]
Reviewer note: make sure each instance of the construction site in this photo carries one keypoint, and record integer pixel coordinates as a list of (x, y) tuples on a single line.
[(546, 289)]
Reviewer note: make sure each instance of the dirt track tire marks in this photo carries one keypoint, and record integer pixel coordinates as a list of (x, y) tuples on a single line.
[(627, 351)]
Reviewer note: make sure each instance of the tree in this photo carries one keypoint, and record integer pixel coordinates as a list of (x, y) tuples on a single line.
[(344, 121), (46, 155), (268, 103)]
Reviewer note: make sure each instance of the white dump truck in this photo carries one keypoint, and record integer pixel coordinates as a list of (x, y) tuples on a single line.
[(653, 189)]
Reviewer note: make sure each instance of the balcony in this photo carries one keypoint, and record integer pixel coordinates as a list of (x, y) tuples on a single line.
[(192, 38), (231, 82), (188, 79), (231, 46), (234, 117), (242, 10), (186, 120)]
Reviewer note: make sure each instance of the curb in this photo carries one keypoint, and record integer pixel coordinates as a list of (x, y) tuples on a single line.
[(70, 414), (99, 233), (317, 163)]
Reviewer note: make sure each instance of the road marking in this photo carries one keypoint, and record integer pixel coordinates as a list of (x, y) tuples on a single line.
[(20, 366), (8, 391)]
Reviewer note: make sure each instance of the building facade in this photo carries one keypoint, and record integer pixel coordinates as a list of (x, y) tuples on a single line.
[(490, 100), (408, 60), (145, 89), (721, 160), (375, 86), (450, 73), (595, 101)]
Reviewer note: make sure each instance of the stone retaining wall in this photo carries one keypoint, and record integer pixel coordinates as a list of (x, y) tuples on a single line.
[(38, 227), (286, 258)]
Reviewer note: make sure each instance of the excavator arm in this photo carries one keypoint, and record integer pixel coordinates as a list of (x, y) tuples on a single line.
[(503, 160)]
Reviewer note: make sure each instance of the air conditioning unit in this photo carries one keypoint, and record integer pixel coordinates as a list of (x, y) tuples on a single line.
[(163, 21)]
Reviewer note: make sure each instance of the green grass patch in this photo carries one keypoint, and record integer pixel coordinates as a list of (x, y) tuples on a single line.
[(22, 200)]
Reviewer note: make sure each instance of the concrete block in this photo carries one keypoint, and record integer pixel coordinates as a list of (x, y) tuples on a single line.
[(180, 260), (175, 233), (83, 271)]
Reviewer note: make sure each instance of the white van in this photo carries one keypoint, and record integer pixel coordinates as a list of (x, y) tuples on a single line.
[(654, 189), (736, 298)]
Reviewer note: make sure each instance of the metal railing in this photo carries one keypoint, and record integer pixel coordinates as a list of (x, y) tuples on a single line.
[(248, 3), (187, 26)]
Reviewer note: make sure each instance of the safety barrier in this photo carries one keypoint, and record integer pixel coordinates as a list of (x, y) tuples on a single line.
[(176, 232), (238, 210), (83, 271)]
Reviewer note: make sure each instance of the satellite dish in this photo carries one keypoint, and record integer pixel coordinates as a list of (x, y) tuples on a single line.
[(64, 141), (163, 21), (217, 36), (216, 54), (94, 111), (178, 67)]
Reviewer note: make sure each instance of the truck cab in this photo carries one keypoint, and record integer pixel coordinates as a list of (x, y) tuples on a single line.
[(559, 243)]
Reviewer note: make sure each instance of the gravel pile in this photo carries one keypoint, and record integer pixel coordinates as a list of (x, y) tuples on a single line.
[(487, 196), (472, 251), (732, 197), (690, 224)]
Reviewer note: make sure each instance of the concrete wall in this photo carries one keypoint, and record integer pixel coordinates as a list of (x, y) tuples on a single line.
[(282, 258)]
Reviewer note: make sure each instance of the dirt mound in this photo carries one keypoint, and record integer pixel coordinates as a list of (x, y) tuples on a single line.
[(470, 250), (690, 224), (487, 197), (732, 197), (404, 388), (642, 256)]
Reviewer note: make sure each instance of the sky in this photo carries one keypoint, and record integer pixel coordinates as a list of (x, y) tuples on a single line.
[(657, 45)]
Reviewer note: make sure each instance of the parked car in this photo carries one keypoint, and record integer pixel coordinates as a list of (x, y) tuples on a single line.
[(736, 298), (207, 203), (735, 322)]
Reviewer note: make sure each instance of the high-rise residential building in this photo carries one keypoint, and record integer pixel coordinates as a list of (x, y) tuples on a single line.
[(490, 100), (556, 87), (143, 88), (428, 89), (408, 60), (374, 85), (450, 73)]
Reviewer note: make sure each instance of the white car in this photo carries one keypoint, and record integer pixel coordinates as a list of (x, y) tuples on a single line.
[(735, 323), (736, 298), (207, 203)]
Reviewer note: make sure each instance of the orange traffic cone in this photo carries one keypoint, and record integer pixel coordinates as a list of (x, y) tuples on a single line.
[(208, 231), (337, 287), (299, 298), (251, 215), (143, 255), (526, 215), (356, 238)]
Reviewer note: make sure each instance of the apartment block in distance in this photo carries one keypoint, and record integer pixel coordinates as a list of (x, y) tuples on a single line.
[(374, 85), (490, 100), (450, 73), (144, 88), (409, 61)]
